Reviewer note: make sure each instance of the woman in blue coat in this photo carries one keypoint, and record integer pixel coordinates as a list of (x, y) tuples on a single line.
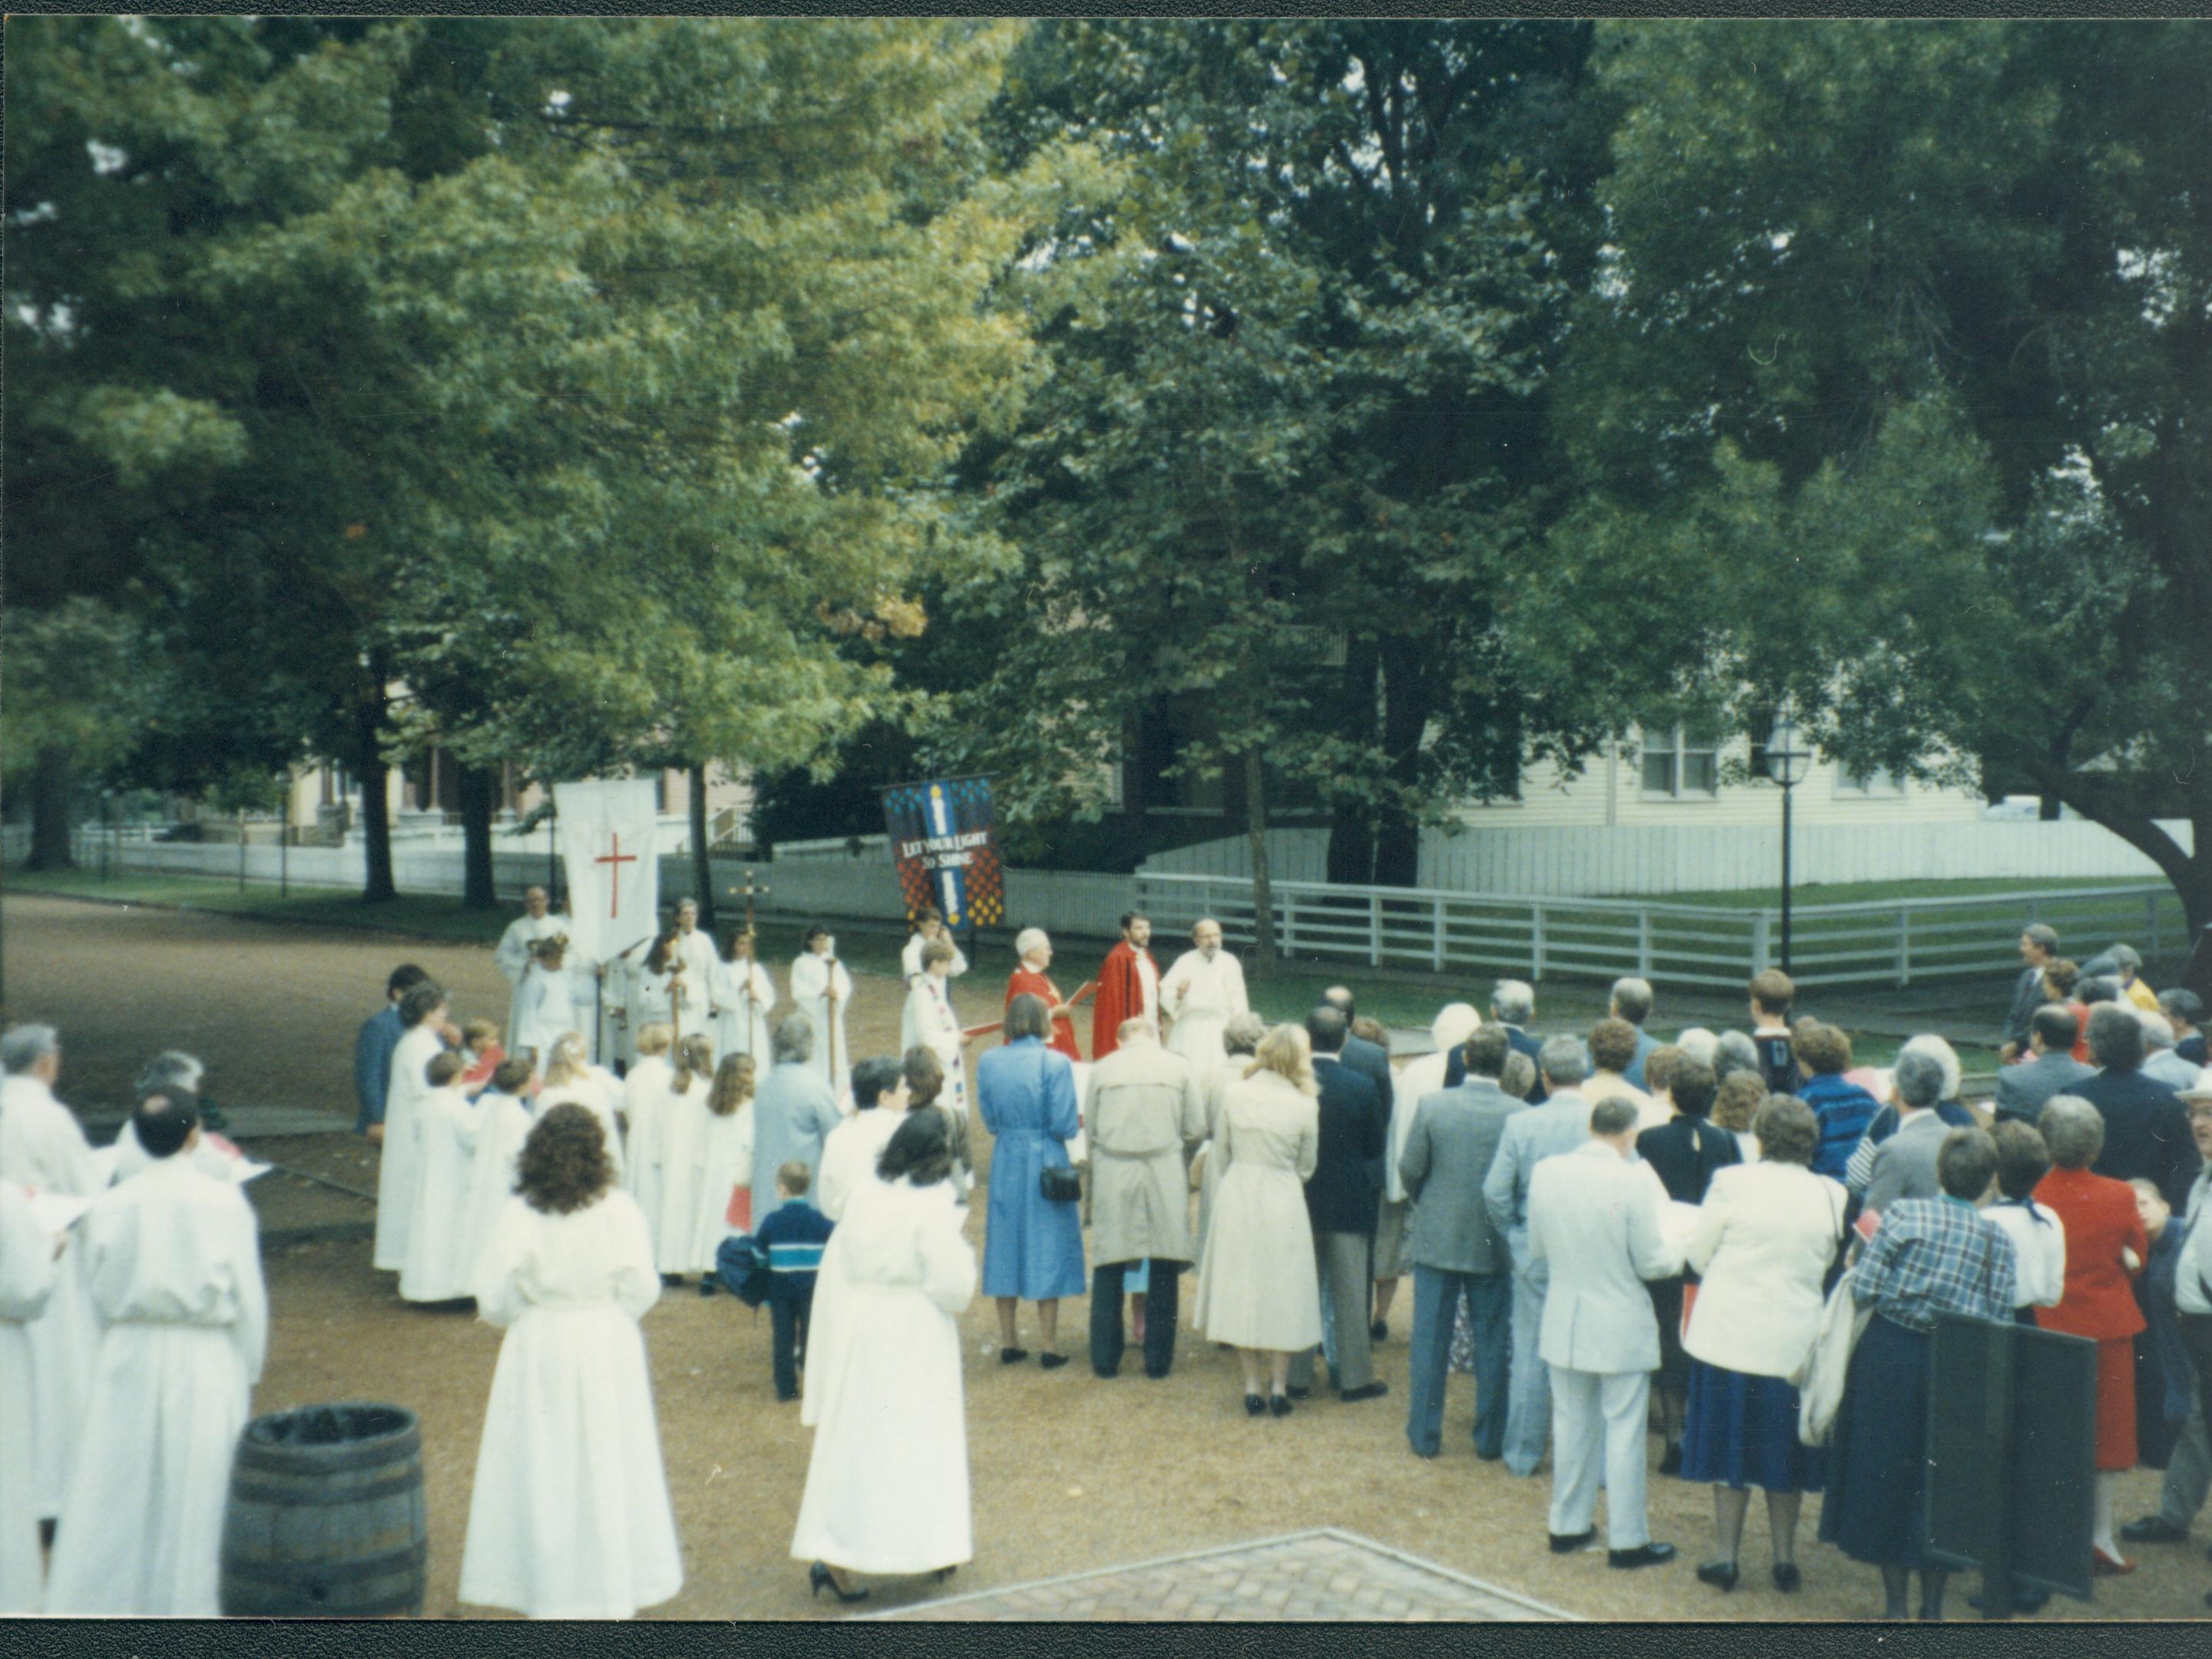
[(1032, 1245)]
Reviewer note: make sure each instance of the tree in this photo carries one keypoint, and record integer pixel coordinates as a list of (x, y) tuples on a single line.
[(1915, 321), (1293, 452)]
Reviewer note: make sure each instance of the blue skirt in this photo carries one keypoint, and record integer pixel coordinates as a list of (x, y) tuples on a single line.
[(1875, 1510), (1741, 1430)]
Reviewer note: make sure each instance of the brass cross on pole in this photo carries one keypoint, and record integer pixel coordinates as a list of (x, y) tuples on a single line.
[(749, 891)]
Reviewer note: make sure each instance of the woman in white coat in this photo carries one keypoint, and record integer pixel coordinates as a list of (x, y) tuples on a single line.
[(887, 1485), (1763, 1238), (569, 1516), (684, 1117), (1258, 1288)]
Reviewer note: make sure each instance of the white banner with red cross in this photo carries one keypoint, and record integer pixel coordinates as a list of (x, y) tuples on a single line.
[(614, 873)]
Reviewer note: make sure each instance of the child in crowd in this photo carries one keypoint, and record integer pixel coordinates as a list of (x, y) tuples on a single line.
[(1772, 994), (446, 1139), (502, 1124), (792, 1237), (480, 1041)]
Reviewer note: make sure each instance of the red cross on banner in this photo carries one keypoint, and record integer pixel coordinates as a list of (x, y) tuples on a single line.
[(614, 887)]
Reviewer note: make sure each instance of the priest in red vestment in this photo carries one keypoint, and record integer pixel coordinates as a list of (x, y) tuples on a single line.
[(1128, 986), (1034, 947)]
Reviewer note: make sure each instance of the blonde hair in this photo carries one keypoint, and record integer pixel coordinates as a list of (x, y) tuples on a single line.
[(1288, 1052), (695, 1057), (734, 1085), (567, 1063), (655, 1038)]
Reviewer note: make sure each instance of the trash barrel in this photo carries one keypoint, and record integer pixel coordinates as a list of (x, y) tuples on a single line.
[(326, 1515)]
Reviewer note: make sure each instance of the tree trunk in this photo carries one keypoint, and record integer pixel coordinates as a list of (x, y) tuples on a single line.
[(1351, 822), (474, 787), (50, 787), (2191, 873), (1263, 893), (367, 762), (703, 866), (1407, 683)]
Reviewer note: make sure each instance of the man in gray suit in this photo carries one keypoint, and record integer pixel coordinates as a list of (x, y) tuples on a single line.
[(1903, 1166), (2024, 1090), (2038, 949), (1559, 1124), (1456, 1247)]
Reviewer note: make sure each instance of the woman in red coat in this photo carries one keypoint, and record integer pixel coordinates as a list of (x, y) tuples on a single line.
[(2105, 1246)]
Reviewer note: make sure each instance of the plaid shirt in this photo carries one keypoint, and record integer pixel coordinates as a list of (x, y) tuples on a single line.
[(1934, 1256)]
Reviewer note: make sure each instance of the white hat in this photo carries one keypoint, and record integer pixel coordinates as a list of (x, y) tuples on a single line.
[(2200, 1090)]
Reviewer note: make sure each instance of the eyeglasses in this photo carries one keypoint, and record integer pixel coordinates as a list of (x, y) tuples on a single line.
[(2201, 1113)]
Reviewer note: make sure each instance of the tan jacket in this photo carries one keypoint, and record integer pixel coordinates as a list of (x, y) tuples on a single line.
[(1145, 1116)]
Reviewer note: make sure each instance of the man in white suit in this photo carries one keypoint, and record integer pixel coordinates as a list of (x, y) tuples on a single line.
[(1594, 1230)]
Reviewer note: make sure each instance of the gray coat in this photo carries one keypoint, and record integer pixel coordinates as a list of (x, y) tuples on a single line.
[(1904, 1164), (793, 1113), (1449, 1149), (2023, 1090), (1559, 1124), (1145, 1116)]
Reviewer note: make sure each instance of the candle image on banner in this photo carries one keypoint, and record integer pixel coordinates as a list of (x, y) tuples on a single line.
[(945, 844)]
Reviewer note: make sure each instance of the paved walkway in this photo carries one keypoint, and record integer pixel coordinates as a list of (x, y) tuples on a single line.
[(1322, 1575)]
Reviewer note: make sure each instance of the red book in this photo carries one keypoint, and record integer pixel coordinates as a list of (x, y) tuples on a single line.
[(740, 1215)]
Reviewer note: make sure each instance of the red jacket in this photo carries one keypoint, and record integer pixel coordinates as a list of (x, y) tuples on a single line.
[(1121, 996), (1024, 982), (2099, 1217)]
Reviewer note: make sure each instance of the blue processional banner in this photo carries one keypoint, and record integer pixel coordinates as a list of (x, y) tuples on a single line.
[(945, 846)]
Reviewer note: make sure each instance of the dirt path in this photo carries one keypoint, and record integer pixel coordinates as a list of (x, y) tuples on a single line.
[(1069, 1471)]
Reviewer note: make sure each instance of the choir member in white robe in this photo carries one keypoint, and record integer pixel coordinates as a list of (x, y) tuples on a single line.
[(535, 922), (26, 1279), (887, 1484), (696, 950), (657, 990), (929, 1022), (822, 990), (173, 1258), (849, 1152), (422, 1019), (726, 1160), (682, 1153), (446, 1125), (644, 1103), (928, 924), (43, 1147), (617, 1034), (1203, 993), (744, 992), (502, 1125), (569, 1516), (571, 1080), (545, 1007)]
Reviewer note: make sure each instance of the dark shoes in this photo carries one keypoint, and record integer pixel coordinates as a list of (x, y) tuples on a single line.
[(1721, 1575), (819, 1578), (1255, 1406), (1378, 1331), (1052, 1362), (1297, 1392), (1374, 1390), (706, 1285), (1670, 1460), (2154, 1529), (1101, 1372), (1787, 1579), (1643, 1555), (1280, 1405), (1012, 1355), (1567, 1543)]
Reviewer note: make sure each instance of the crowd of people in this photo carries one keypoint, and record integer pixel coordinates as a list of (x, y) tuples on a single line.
[(1587, 1219)]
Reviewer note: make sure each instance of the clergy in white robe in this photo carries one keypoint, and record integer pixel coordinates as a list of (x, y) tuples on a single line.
[(822, 990), (546, 1005), (535, 922), (929, 1022), (446, 1126), (26, 1279), (569, 1516), (570, 1079), (682, 1153), (645, 1103), (929, 925), (1201, 992), (744, 992), (42, 1147), (726, 1161), (422, 1016), (887, 1484), (503, 1123), (849, 1152), (174, 1259), (696, 950)]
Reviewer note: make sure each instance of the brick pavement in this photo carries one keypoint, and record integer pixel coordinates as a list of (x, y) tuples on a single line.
[(1322, 1575)]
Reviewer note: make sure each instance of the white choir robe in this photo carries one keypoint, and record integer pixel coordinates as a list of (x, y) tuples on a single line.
[(395, 1177), (741, 1028), (173, 1258), (598, 1094), (545, 1011), (26, 1279), (911, 958), (502, 1125), (887, 1484), (812, 979), (437, 1268), (849, 1152), (725, 1162), (683, 1135), (1216, 995), (513, 956), (929, 1021), (617, 1037), (645, 1103), (569, 1516), (699, 961), (650, 1003), (43, 1147)]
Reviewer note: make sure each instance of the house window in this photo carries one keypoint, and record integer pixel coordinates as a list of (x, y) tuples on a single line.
[(1868, 781), (1678, 763)]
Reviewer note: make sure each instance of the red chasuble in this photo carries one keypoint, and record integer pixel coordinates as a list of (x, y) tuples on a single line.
[(1037, 984), (1121, 996)]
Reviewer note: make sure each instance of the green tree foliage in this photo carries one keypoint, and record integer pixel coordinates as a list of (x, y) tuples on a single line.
[(1902, 380)]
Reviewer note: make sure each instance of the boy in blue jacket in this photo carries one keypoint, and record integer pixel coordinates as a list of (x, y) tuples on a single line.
[(791, 1236)]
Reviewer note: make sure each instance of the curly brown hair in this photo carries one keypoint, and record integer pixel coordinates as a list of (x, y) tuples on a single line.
[(564, 1165), (734, 1085), (1738, 1100)]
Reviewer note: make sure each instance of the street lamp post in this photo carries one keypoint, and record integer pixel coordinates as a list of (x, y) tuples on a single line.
[(1787, 760)]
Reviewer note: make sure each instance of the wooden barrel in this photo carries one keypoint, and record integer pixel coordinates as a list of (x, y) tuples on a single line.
[(326, 1515)]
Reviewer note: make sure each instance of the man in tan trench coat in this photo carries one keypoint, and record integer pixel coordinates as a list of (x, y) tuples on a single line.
[(1145, 1117)]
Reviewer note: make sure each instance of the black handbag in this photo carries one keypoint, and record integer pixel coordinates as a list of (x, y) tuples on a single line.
[(1059, 1186)]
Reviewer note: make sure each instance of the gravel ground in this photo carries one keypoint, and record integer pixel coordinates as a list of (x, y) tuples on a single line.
[(1069, 1473)]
